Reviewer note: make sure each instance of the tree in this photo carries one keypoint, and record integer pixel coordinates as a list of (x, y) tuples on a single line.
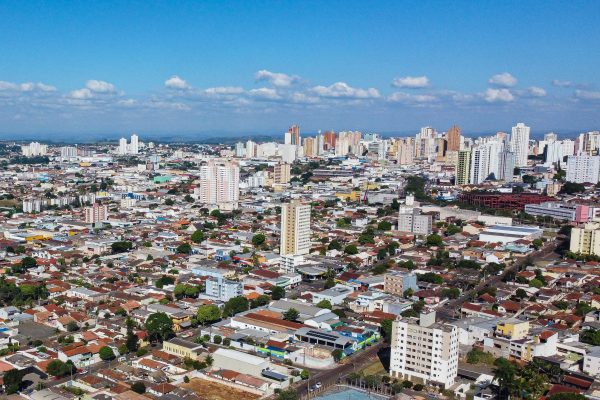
[(184, 248), (258, 239), (324, 304), (164, 281), (288, 394), (132, 339), (159, 326), (13, 380), (208, 313), (337, 354), (434, 240), (58, 368), (384, 226), (567, 396), (329, 283), (138, 387), (504, 374), (536, 283), (572, 187), (198, 236), (235, 305), (452, 230), (72, 326), (106, 353), (305, 374), (121, 246), (386, 329), (28, 262), (277, 292), (351, 249), (431, 278), (169, 202), (334, 245), (537, 243), (291, 315), (260, 301), (521, 294)]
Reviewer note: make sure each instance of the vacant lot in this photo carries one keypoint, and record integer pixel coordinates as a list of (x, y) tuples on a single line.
[(215, 391)]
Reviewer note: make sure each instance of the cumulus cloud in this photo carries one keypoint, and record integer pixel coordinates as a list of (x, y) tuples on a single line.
[(100, 86), (94, 89), (407, 98), (175, 82), (224, 90), (503, 80), (559, 83), (277, 79), (535, 91), (498, 95), (411, 82), (27, 87), (343, 90), (587, 95), (265, 93), (81, 94)]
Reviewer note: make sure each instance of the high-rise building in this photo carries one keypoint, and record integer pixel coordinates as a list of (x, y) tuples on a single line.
[(463, 167), (34, 149), (96, 213), (122, 146), (310, 147), (480, 164), (330, 139), (411, 220), (67, 152), (454, 138), (441, 145), (424, 349), (506, 166), (240, 150), (219, 184), (295, 228), (250, 149), (281, 173), (294, 132), (586, 240), (134, 146), (519, 143), (583, 169), (405, 151)]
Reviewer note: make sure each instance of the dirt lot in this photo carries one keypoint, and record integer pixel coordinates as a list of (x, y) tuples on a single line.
[(215, 391)]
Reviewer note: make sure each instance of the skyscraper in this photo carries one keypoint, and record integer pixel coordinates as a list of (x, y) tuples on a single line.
[(294, 132), (506, 166), (480, 164), (463, 167), (281, 173), (295, 228), (453, 137), (134, 147), (96, 213), (219, 184), (519, 143)]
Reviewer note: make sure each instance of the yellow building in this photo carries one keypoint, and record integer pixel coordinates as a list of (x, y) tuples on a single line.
[(183, 348), (586, 240), (513, 329), (349, 196), (463, 167)]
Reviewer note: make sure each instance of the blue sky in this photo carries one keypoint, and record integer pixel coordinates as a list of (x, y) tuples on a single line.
[(198, 68)]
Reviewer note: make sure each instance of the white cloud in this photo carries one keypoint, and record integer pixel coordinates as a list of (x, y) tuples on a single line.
[(81, 94), (175, 82), (498, 95), (559, 83), (27, 87), (299, 97), (343, 90), (277, 79), (400, 97), (411, 82), (100, 86), (504, 80), (265, 93), (535, 91), (224, 90), (587, 95), (8, 85)]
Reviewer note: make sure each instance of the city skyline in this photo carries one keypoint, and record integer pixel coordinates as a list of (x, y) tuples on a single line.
[(191, 70)]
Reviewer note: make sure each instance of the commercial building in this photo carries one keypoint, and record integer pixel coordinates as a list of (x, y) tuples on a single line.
[(586, 240), (281, 173), (295, 228), (34, 149), (219, 185), (223, 289), (398, 282), (183, 348), (453, 137), (424, 349), (507, 201), (463, 167), (508, 234), (567, 212)]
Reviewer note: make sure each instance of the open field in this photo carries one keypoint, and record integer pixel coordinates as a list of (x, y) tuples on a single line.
[(215, 391)]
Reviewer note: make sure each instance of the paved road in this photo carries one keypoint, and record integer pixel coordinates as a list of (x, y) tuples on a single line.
[(449, 310), (356, 362)]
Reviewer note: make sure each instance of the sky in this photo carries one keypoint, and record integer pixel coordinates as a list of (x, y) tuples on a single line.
[(102, 69)]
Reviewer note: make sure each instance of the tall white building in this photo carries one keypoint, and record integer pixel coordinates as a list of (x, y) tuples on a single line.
[(583, 169), (295, 228), (219, 185), (134, 146), (34, 149), (131, 148), (67, 152), (506, 166), (240, 150), (519, 143), (480, 164), (424, 349), (96, 213)]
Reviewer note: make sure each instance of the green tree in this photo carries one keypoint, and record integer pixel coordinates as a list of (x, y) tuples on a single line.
[(159, 326), (13, 380), (121, 246), (291, 315), (384, 226), (197, 236), (184, 248), (235, 305), (452, 230), (208, 313), (258, 239), (434, 240), (277, 292), (351, 249), (504, 374), (337, 354), (288, 394), (537, 243), (324, 304), (260, 301), (386, 329), (58, 368), (536, 283), (138, 387), (132, 339), (334, 245), (106, 353)]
